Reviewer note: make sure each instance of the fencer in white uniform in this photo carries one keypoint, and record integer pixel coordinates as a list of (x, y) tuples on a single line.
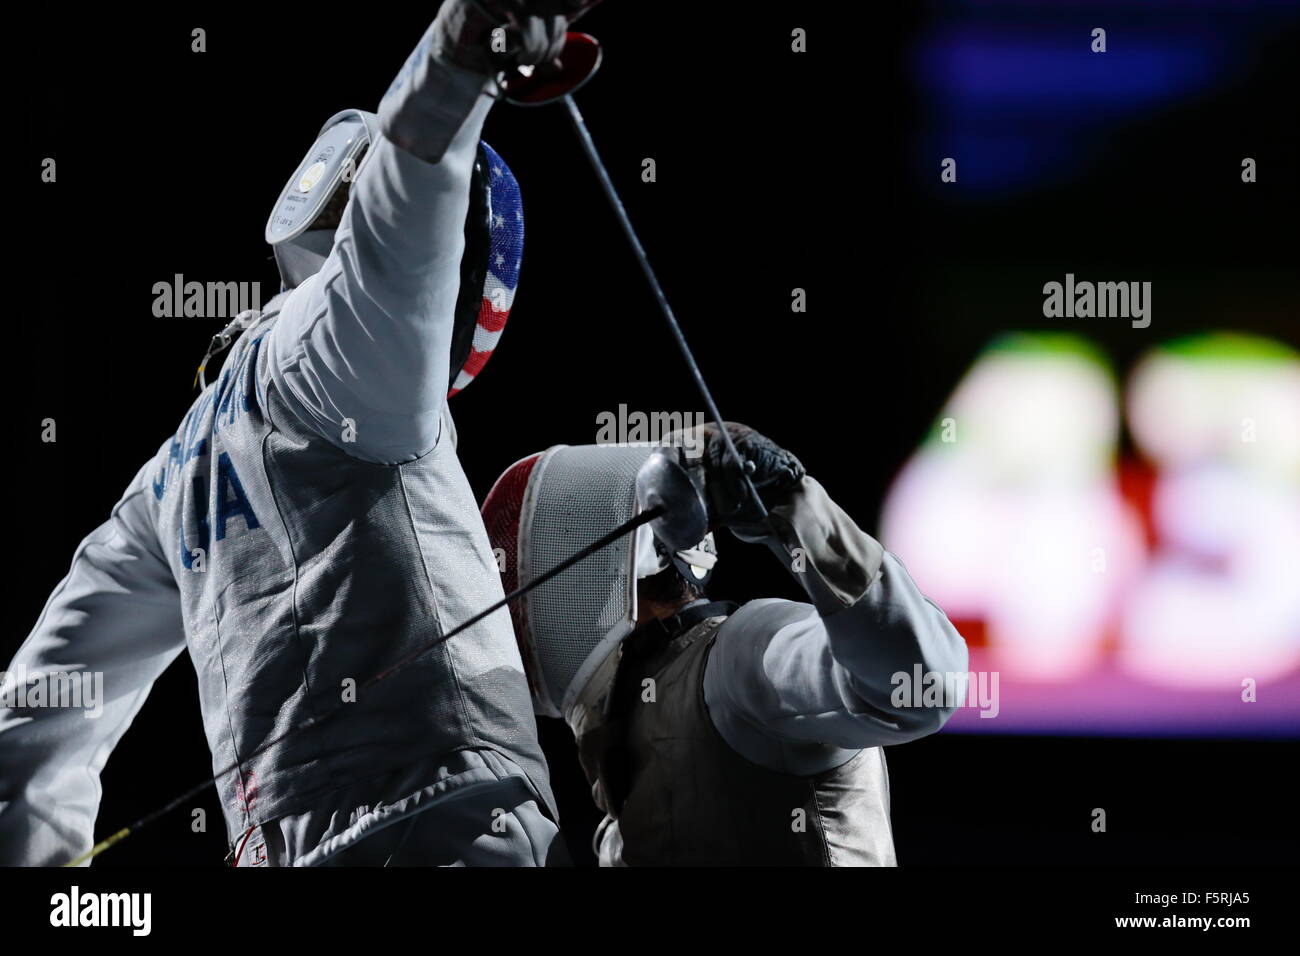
[(309, 524)]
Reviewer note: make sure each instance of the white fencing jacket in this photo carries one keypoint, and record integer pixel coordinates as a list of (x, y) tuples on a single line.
[(307, 526), (789, 692)]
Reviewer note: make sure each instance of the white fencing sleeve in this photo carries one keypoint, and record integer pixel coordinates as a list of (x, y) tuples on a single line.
[(800, 687), (108, 631), (363, 347)]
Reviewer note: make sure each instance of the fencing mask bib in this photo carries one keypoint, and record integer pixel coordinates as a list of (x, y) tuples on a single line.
[(301, 230), (542, 510)]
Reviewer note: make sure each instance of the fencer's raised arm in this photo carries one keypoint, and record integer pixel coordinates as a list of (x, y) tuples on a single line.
[(364, 343), (106, 634), (799, 687)]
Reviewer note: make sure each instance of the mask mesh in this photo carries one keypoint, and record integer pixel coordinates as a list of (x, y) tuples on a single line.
[(578, 494)]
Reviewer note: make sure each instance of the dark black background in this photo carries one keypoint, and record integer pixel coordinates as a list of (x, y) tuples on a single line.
[(774, 171)]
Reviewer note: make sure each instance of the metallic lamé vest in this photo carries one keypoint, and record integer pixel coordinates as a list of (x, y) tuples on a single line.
[(302, 568), (683, 797)]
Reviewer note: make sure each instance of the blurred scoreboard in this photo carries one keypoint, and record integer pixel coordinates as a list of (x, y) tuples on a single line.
[(1125, 557)]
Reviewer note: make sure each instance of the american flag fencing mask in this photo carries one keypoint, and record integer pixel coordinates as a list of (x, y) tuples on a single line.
[(302, 224)]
